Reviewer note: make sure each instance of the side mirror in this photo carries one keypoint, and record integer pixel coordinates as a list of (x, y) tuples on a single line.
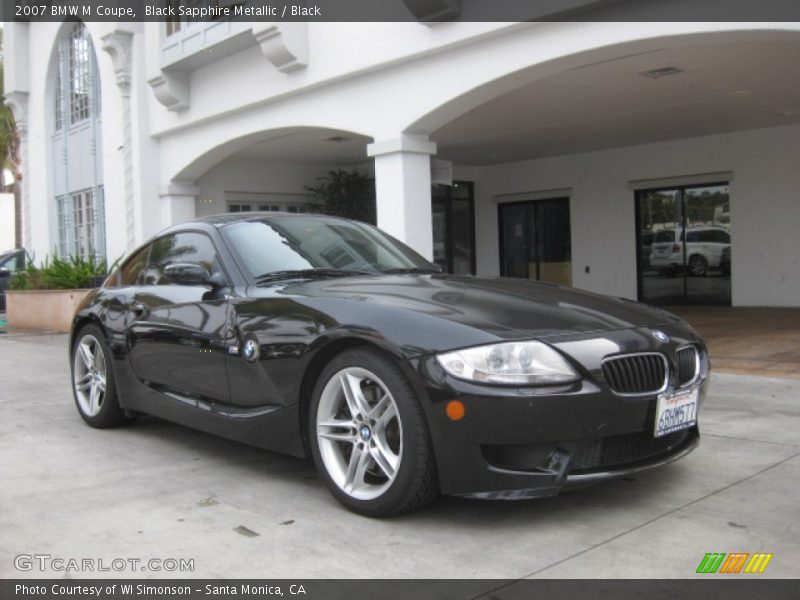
[(187, 274), (4, 273)]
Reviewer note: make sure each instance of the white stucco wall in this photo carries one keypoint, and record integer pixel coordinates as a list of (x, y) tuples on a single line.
[(764, 201)]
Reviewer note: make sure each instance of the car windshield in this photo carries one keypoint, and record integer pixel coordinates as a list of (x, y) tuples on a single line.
[(282, 247)]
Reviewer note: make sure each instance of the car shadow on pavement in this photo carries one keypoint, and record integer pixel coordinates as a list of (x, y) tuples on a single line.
[(218, 456)]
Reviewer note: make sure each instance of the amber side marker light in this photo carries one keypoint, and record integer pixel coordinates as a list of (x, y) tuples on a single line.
[(455, 410)]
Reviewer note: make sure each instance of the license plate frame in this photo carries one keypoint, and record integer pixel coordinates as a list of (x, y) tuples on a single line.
[(676, 410)]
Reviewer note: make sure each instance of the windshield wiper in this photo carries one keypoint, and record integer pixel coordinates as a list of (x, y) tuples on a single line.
[(307, 274), (411, 271)]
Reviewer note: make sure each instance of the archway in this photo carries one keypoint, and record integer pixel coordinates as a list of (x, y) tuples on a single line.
[(268, 170)]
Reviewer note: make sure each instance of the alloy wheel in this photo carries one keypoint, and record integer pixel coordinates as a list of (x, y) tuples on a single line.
[(359, 433), (89, 375)]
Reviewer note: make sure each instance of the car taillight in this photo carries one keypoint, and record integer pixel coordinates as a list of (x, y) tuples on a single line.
[(676, 247)]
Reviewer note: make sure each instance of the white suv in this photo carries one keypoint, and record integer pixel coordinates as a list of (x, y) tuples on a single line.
[(704, 246)]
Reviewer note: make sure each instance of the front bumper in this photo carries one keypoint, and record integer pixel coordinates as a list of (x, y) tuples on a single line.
[(532, 442)]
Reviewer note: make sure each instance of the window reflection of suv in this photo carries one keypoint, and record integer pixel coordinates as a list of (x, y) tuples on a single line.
[(11, 262), (704, 246)]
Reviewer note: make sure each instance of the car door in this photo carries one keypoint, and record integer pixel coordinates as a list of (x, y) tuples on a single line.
[(177, 327)]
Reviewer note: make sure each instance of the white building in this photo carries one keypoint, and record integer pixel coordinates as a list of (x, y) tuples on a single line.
[(557, 134)]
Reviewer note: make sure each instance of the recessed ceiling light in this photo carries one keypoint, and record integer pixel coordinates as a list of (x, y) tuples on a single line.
[(662, 72)]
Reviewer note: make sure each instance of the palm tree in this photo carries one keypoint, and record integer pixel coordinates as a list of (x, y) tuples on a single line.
[(9, 152)]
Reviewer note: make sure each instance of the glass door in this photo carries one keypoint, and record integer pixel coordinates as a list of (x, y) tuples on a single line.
[(684, 245), (454, 227), (535, 240)]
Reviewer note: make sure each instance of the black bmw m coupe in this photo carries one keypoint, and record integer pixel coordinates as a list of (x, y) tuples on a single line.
[(320, 336)]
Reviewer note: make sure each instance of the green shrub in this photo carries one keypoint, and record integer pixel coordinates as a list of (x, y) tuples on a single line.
[(60, 274), (349, 194)]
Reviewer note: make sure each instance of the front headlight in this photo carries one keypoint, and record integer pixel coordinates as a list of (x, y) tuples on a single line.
[(521, 363)]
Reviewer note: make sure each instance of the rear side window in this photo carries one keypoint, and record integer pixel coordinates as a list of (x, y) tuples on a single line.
[(665, 235)]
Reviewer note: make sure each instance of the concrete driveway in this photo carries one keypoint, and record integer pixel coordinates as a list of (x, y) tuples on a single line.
[(157, 490)]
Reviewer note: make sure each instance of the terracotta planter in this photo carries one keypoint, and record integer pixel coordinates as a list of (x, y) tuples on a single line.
[(45, 310)]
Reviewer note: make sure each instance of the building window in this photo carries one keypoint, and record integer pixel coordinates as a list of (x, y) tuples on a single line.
[(684, 244), (80, 224), (76, 149), (178, 23), (79, 74), (453, 212), (59, 104)]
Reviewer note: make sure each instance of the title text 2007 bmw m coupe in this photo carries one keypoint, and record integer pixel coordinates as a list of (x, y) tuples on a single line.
[(322, 336)]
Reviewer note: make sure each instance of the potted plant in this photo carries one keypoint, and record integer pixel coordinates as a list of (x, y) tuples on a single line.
[(45, 297)]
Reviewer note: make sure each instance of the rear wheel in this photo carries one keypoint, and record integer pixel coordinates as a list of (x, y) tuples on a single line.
[(698, 265), (93, 380), (369, 437)]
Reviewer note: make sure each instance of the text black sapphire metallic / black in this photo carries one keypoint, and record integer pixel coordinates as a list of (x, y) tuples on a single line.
[(318, 336)]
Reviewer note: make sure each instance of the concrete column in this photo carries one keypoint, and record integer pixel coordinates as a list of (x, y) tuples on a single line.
[(178, 203), (119, 44), (403, 187)]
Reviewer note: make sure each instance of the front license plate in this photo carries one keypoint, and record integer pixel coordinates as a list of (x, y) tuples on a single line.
[(675, 411)]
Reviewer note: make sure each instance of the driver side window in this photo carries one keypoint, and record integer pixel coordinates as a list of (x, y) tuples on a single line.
[(180, 248)]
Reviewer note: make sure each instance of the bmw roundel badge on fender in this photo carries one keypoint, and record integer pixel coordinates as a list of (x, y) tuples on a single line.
[(250, 351)]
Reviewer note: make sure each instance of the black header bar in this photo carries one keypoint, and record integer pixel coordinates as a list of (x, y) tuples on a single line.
[(743, 588), (402, 10)]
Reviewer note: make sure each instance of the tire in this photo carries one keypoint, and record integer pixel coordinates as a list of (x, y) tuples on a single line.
[(698, 265), (377, 464), (93, 385)]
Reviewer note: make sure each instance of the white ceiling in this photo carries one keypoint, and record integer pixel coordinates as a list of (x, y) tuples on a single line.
[(326, 147), (610, 104), (723, 88)]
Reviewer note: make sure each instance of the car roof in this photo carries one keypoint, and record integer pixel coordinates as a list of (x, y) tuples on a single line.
[(222, 219)]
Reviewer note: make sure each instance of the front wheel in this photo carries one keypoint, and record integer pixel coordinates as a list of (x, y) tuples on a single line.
[(93, 380), (369, 437)]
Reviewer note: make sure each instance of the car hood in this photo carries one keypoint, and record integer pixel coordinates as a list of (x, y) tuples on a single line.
[(507, 308)]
